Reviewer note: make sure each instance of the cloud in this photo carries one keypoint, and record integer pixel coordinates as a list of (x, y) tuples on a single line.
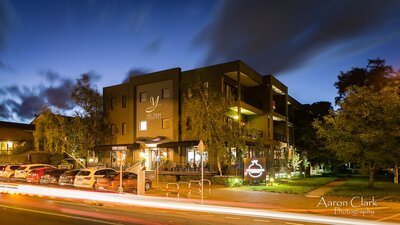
[(4, 66), (25, 102), (134, 72), (154, 45), (278, 36)]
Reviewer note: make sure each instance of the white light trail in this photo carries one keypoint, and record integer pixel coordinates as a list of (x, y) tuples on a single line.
[(174, 205)]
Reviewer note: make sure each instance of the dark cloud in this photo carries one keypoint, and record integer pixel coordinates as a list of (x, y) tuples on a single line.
[(4, 66), (4, 111), (49, 75), (25, 102), (277, 36), (154, 45), (134, 72)]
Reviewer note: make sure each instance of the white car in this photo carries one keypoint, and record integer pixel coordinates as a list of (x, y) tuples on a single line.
[(22, 171), (86, 178), (8, 171)]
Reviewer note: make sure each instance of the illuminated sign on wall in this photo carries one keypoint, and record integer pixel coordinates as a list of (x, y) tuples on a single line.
[(154, 105), (254, 169)]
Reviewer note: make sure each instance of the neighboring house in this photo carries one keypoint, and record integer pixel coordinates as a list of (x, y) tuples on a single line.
[(13, 135), (146, 114)]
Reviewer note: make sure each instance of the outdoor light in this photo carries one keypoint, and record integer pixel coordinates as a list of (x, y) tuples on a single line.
[(271, 179)]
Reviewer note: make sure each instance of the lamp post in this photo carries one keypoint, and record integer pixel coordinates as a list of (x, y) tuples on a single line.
[(201, 150)]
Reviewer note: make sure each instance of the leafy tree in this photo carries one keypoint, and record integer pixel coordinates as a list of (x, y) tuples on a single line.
[(376, 76), (295, 162), (87, 126), (365, 128), (306, 137), (205, 116)]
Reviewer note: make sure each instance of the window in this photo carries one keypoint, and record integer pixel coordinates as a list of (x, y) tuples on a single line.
[(112, 103), (123, 128), (143, 96), (112, 129), (123, 101), (143, 125), (189, 93), (165, 93), (205, 85), (166, 123), (188, 123)]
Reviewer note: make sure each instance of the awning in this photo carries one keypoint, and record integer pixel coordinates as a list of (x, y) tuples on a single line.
[(176, 144), (133, 146)]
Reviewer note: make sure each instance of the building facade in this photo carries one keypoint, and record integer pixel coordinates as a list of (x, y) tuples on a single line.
[(147, 115), (14, 135)]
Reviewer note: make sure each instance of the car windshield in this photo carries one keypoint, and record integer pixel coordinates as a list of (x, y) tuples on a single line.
[(83, 173), (72, 172)]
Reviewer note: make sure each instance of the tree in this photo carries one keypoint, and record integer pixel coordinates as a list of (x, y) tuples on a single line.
[(295, 162), (365, 128), (87, 125), (376, 76), (306, 137), (205, 116)]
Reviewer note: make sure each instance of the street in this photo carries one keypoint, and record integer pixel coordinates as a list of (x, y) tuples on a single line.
[(19, 209), (53, 205)]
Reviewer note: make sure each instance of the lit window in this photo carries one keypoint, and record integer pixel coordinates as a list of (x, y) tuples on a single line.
[(123, 128), (123, 101), (166, 123), (143, 96), (165, 93), (143, 125)]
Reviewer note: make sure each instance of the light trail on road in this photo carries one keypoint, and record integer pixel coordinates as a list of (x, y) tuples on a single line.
[(157, 202)]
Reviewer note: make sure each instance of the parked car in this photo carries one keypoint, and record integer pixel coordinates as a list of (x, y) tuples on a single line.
[(34, 175), (2, 168), (67, 178), (8, 171), (51, 176), (22, 172), (112, 182), (86, 178)]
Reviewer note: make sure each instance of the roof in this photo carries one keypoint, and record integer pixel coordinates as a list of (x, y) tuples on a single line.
[(21, 126)]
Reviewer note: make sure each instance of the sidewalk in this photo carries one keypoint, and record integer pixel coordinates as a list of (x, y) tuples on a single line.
[(321, 191)]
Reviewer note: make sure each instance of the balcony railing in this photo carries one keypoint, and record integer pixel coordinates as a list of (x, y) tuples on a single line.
[(279, 137)]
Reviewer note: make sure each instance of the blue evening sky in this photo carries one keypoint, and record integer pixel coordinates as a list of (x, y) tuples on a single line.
[(304, 46)]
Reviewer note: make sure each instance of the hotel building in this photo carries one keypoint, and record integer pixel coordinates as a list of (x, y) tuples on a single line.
[(146, 114)]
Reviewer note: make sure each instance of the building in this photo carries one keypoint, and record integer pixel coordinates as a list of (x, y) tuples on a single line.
[(14, 135), (146, 114)]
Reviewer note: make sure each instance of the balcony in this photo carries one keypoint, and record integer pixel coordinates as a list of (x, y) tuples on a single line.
[(279, 137)]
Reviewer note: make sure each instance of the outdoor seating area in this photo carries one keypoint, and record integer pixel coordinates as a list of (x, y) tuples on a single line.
[(175, 167)]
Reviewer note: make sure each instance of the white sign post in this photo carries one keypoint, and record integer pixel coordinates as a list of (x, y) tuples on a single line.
[(201, 150), (120, 150)]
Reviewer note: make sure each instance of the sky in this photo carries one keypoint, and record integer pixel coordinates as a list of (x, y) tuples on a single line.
[(45, 45)]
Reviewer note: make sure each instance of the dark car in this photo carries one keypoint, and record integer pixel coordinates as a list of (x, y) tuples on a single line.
[(51, 176), (68, 178), (112, 182)]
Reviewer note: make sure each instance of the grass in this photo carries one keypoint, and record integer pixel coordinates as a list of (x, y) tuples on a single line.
[(359, 187), (293, 186)]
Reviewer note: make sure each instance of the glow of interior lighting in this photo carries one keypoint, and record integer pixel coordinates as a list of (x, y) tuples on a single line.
[(158, 202)]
